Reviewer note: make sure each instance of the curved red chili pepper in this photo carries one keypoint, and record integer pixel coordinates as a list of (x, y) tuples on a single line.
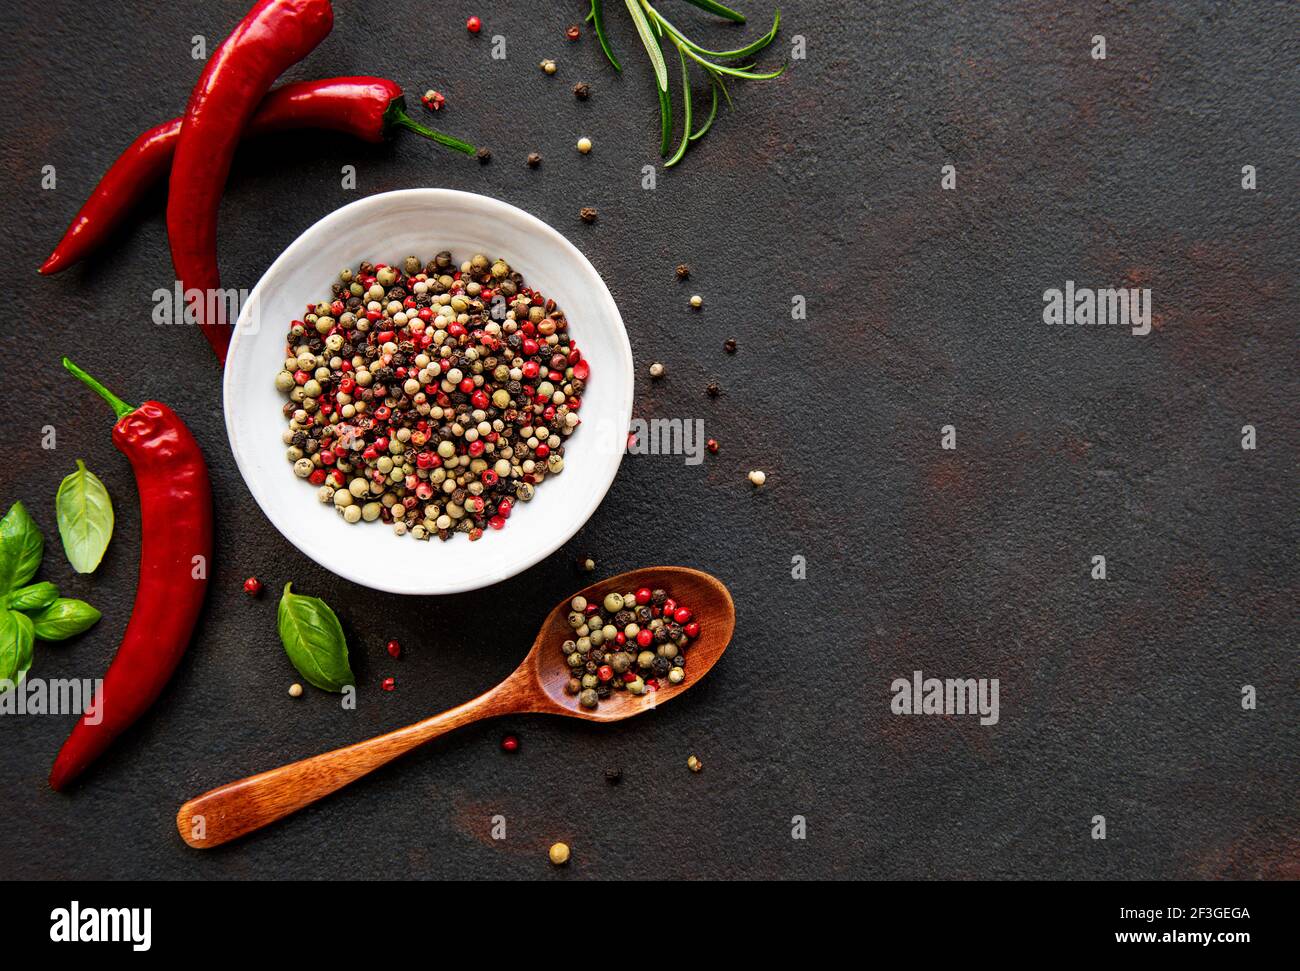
[(275, 35), (175, 555), (367, 108)]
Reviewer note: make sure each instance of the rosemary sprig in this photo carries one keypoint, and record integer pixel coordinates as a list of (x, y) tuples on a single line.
[(597, 18), (653, 28), (719, 9)]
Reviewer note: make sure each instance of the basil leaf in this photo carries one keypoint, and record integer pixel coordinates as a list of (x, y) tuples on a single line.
[(63, 618), (16, 641), (21, 548), (314, 640), (35, 597), (85, 517)]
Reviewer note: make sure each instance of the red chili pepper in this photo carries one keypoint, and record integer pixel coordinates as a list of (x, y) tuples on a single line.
[(367, 108), (275, 35), (175, 555)]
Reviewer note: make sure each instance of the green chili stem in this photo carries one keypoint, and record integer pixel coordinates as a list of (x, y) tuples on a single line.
[(120, 407), (396, 115)]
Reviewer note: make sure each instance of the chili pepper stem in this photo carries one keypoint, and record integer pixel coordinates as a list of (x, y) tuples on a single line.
[(396, 116), (120, 407)]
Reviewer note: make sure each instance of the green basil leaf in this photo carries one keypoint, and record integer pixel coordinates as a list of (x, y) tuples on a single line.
[(34, 597), (314, 641), (85, 518), (21, 548), (64, 618), (16, 642)]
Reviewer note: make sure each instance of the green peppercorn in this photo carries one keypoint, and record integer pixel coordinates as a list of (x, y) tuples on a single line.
[(588, 698), (613, 602), (620, 662), (645, 660), (572, 687), (636, 687), (578, 603), (576, 619), (677, 675), (576, 660), (590, 681)]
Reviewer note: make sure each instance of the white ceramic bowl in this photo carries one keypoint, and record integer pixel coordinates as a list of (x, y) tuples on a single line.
[(386, 228)]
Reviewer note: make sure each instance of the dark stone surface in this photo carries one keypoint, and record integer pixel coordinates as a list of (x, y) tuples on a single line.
[(1119, 698)]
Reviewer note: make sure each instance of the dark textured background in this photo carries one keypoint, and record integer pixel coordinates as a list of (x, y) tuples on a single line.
[(1120, 698)]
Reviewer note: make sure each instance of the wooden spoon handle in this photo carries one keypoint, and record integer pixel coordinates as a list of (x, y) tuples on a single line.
[(237, 808)]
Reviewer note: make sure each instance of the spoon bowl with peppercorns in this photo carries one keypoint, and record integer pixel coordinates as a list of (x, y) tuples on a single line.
[(693, 609)]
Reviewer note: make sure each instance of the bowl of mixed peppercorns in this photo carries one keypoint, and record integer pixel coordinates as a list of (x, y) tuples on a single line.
[(429, 391)]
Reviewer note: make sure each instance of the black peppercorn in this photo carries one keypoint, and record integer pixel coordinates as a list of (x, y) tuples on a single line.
[(661, 666), (683, 271), (613, 776), (534, 160), (658, 597), (582, 90), (588, 214), (712, 389), (484, 156), (729, 345)]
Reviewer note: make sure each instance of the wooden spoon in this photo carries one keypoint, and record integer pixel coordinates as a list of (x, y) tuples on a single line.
[(537, 685)]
